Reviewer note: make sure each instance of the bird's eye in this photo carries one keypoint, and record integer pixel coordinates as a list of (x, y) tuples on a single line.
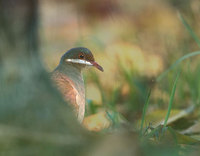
[(81, 56)]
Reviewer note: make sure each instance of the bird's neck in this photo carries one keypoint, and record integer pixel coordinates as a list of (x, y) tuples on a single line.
[(74, 74)]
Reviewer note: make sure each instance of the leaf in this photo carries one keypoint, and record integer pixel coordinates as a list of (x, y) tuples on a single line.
[(194, 129), (156, 117), (183, 139), (97, 122), (170, 136)]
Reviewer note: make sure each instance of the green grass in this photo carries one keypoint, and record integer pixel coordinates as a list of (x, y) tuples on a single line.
[(187, 56), (171, 100), (189, 29), (144, 112), (135, 106)]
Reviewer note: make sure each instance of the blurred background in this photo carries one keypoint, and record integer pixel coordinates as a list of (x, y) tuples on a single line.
[(135, 41), (136, 105)]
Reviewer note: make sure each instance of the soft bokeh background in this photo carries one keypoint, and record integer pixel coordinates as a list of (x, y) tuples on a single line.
[(135, 41)]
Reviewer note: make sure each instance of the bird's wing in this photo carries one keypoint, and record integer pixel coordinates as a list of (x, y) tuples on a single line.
[(66, 87)]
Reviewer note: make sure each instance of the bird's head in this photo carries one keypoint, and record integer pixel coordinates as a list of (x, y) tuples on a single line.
[(80, 57)]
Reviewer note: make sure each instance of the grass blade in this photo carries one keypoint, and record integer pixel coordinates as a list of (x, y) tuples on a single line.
[(144, 111), (194, 36), (176, 63), (189, 29), (171, 100)]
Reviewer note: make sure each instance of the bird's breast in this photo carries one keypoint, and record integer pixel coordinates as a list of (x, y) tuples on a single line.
[(71, 85), (80, 99)]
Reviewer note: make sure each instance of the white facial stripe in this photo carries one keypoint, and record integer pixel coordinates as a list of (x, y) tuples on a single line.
[(79, 61)]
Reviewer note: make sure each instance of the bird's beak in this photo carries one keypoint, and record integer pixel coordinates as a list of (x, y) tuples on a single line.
[(95, 64)]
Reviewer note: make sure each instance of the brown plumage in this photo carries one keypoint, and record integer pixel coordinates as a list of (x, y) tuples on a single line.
[(66, 87)]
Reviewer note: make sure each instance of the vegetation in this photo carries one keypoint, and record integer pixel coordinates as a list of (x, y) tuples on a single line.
[(145, 103)]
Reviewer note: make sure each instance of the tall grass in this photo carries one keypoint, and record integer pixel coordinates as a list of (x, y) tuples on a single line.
[(189, 29), (171, 100), (144, 112), (160, 77), (196, 39)]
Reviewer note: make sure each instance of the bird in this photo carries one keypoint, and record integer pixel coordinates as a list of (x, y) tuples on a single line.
[(68, 78)]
